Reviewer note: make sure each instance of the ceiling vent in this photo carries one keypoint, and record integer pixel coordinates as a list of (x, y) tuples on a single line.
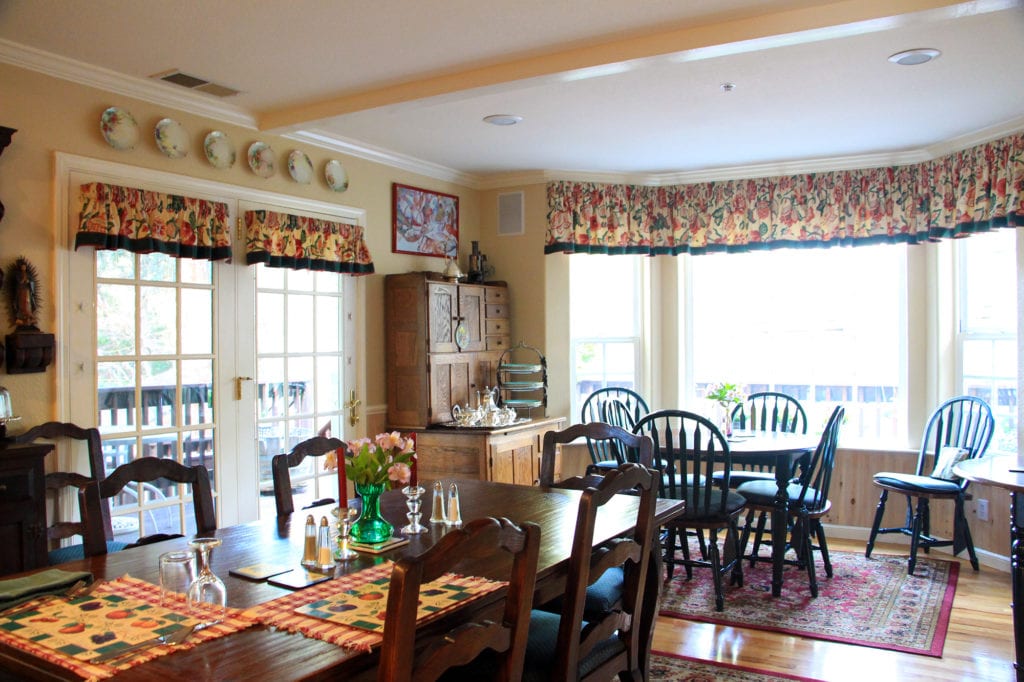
[(195, 83)]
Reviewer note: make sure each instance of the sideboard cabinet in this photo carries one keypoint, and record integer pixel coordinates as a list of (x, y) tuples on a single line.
[(443, 342), (22, 506)]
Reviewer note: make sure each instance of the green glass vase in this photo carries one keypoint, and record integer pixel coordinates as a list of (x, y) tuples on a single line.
[(371, 527)]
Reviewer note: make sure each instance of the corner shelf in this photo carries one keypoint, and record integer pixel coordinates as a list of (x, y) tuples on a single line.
[(523, 385)]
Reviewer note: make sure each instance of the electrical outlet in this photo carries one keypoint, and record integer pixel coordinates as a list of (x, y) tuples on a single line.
[(983, 510)]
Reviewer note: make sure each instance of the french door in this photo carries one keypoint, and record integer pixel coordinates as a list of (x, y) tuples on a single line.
[(219, 364)]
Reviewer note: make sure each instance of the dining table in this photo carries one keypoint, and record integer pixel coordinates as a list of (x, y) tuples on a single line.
[(274, 653), (1006, 472), (783, 452)]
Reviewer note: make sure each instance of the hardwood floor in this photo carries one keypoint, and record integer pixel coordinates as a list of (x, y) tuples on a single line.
[(979, 643)]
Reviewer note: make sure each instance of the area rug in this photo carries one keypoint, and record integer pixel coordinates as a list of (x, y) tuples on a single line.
[(868, 602), (677, 668)]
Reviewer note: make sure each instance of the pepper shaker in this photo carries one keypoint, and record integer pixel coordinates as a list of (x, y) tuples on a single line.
[(437, 511), (454, 512), (324, 555), (309, 546)]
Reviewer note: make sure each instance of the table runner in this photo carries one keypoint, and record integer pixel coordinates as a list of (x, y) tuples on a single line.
[(71, 632), (361, 628)]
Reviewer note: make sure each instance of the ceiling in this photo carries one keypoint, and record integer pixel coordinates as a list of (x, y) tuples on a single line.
[(606, 89)]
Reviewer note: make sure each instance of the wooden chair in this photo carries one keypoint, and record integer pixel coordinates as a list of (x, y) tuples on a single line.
[(764, 411), (146, 470), (501, 642), (57, 483), (595, 632), (609, 438), (687, 447), (808, 503), (280, 465), (595, 410), (959, 429)]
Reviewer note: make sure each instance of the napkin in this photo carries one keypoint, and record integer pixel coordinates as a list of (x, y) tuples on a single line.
[(15, 591)]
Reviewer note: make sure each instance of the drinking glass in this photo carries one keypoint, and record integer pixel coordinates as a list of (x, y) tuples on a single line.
[(208, 588), (177, 571)]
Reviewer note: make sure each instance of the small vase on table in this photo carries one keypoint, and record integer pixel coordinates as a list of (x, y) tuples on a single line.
[(371, 527), (727, 421)]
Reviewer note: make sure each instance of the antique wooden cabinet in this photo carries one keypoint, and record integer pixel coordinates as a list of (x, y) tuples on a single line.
[(443, 343), (22, 506), (507, 454)]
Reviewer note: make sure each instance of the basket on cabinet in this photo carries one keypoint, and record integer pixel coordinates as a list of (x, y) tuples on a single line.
[(523, 380)]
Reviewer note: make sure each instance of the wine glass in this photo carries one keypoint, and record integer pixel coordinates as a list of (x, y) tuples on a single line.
[(207, 588)]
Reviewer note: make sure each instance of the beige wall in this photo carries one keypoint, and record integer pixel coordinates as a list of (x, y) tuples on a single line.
[(53, 115)]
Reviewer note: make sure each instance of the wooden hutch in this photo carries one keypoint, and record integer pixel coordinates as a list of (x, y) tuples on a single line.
[(444, 340)]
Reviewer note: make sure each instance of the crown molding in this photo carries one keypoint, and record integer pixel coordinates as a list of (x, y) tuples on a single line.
[(144, 89), (326, 140)]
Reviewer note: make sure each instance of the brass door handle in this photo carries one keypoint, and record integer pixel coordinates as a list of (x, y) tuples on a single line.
[(238, 386), (353, 405)]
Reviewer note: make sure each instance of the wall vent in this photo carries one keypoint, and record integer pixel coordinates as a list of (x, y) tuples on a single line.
[(195, 83)]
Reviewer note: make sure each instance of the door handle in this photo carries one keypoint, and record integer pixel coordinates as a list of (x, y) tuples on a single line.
[(238, 386), (353, 405)]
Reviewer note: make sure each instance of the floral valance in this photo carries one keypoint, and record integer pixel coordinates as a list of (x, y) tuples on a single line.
[(282, 240), (974, 190), (114, 217)]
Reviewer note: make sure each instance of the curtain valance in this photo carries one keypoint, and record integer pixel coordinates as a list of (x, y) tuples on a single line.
[(973, 190), (114, 217), (283, 240)]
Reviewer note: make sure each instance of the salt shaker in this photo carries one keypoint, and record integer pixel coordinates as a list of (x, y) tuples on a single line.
[(437, 511), (309, 547), (454, 512), (324, 555)]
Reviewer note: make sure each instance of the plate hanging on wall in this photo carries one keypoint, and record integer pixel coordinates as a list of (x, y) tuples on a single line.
[(171, 138), (119, 128), (337, 178), (261, 159), (220, 150), (300, 167)]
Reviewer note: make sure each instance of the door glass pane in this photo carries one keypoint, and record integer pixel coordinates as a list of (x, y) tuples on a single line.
[(115, 319), (300, 317), (196, 329), (157, 267), (116, 396), (115, 264), (159, 320), (270, 321)]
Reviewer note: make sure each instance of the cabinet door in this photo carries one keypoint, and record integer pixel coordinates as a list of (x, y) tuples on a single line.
[(471, 317), (442, 317), (450, 379), (513, 459)]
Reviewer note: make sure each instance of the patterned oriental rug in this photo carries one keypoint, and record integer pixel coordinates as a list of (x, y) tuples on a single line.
[(868, 602), (665, 667)]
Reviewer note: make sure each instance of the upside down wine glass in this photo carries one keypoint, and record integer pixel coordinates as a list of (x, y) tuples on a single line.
[(207, 588)]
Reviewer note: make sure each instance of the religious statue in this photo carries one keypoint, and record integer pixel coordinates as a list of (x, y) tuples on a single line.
[(24, 294)]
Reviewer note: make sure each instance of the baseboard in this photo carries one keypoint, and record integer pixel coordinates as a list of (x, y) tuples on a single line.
[(985, 557)]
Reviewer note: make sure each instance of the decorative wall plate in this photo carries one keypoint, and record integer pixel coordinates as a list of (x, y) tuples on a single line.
[(171, 138), (300, 167), (119, 128), (261, 159), (337, 178), (220, 150)]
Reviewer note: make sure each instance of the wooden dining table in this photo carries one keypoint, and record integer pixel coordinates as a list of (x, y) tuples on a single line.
[(782, 452), (273, 654)]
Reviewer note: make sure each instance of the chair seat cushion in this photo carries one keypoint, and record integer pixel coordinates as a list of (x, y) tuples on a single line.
[(738, 477), (541, 648), (75, 552), (733, 503), (911, 483), (762, 493)]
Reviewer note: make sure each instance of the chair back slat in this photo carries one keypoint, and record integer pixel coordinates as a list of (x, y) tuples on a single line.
[(963, 422)]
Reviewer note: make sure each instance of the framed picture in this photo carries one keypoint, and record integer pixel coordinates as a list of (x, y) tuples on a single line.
[(425, 223)]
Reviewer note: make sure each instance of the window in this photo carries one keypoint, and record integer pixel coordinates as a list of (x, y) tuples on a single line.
[(605, 324), (988, 325), (823, 325)]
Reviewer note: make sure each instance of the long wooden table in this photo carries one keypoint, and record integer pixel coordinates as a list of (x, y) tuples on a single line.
[(261, 653)]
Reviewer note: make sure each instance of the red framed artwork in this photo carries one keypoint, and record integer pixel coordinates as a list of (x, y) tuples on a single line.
[(425, 223)]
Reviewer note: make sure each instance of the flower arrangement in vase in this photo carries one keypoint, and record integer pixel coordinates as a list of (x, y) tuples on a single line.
[(373, 467), (728, 396)]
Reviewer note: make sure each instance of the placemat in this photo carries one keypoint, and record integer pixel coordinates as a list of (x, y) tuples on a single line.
[(293, 612), (71, 632)]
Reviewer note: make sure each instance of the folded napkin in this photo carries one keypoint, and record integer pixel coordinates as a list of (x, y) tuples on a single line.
[(15, 591)]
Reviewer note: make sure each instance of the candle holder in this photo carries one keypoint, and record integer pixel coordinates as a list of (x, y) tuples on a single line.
[(346, 516), (413, 493)]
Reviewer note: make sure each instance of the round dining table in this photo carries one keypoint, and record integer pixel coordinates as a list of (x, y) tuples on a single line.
[(1007, 472), (782, 452)]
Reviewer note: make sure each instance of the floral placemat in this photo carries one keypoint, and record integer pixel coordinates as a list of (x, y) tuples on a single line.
[(125, 611), (310, 613)]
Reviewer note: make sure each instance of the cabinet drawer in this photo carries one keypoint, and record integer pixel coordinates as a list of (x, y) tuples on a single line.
[(496, 310), (497, 342), (499, 326), (496, 295), (15, 486)]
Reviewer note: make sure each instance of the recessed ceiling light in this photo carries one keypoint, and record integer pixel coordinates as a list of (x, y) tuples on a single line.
[(503, 119), (921, 55)]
